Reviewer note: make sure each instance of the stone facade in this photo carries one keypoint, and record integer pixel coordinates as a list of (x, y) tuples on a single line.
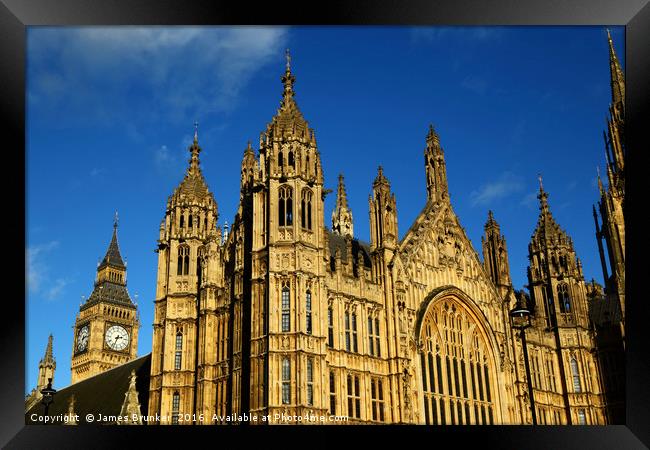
[(284, 315)]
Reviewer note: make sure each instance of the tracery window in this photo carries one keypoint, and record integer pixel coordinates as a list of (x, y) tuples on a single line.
[(355, 347), (305, 209), (285, 206), (582, 418), (456, 367), (286, 381), (310, 381), (330, 327), (183, 260), (332, 393), (577, 386), (377, 399), (563, 297), (308, 311), (373, 336), (178, 353), (354, 397), (176, 401), (286, 308)]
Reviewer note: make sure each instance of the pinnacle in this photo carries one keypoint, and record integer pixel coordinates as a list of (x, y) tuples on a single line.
[(113, 256)]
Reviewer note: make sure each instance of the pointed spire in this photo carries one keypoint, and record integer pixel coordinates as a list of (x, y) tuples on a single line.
[(432, 137), (542, 196), (288, 79), (341, 197), (617, 78), (193, 184), (195, 150), (342, 215), (380, 179), (600, 182), (131, 405), (434, 168), (491, 223), (48, 358), (113, 256)]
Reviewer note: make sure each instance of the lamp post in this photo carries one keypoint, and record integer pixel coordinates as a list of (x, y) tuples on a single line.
[(520, 317), (48, 395)]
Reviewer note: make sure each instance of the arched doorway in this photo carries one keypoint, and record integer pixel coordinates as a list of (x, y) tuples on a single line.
[(457, 369)]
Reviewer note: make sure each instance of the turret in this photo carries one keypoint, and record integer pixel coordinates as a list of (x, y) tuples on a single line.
[(495, 254), (555, 273), (342, 215), (436, 172), (383, 214), (46, 366)]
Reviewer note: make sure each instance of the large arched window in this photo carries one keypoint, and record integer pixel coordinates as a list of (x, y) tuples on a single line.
[(456, 367), (285, 206), (563, 297), (305, 209)]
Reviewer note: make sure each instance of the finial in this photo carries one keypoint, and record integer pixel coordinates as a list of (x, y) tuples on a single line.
[(288, 79), (609, 36), (196, 132), (432, 136), (115, 219), (539, 177)]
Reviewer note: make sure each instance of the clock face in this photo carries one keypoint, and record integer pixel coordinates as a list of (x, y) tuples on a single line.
[(82, 338), (117, 338)]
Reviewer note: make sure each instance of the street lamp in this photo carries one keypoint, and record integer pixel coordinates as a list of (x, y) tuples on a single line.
[(520, 317), (48, 395)]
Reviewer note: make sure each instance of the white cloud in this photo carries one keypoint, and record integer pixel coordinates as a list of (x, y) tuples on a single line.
[(37, 270), (529, 201), (56, 289), (177, 73), (507, 184)]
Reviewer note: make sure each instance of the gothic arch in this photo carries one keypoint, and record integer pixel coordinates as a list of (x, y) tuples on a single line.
[(456, 360)]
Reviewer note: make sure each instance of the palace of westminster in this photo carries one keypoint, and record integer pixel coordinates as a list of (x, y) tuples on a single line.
[(285, 315)]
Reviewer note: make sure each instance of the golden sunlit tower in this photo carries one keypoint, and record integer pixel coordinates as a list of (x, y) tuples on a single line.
[(186, 369), (561, 340), (106, 327)]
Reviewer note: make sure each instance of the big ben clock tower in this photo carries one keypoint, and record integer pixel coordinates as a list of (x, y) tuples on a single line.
[(106, 328)]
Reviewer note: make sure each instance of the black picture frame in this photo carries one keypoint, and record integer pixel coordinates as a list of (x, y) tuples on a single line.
[(16, 15)]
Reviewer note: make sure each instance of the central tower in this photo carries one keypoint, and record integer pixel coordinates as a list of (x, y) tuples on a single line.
[(277, 264)]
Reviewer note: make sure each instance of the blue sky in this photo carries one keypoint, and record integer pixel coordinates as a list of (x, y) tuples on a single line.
[(110, 114)]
